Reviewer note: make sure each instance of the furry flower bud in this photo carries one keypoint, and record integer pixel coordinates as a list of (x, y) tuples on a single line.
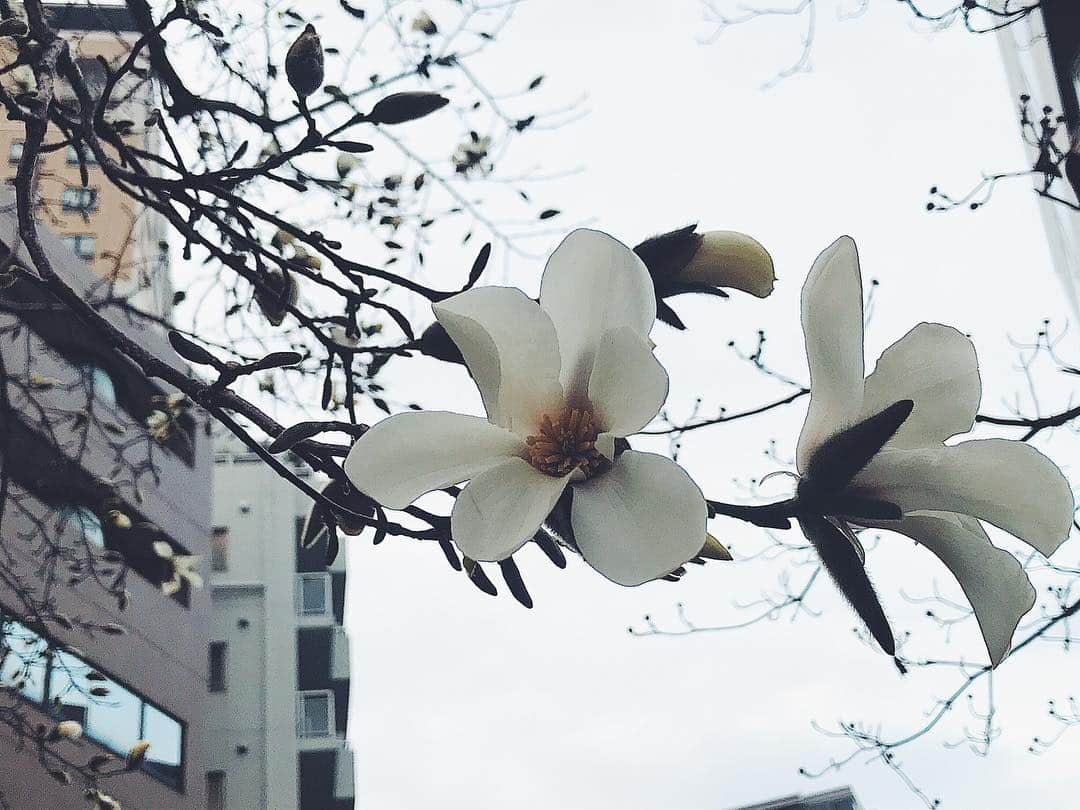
[(304, 63)]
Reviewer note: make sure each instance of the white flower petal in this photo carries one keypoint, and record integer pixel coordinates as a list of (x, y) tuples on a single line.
[(640, 520), (509, 345), (935, 366), (1007, 483), (993, 580), (500, 510), (628, 385), (406, 455), (832, 320), (593, 283)]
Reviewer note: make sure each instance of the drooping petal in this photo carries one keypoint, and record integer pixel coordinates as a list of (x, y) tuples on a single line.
[(406, 455), (509, 345), (832, 319), (1007, 483), (992, 579), (500, 510), (640, 520), (628, 385), (594, 283), (935, 366)]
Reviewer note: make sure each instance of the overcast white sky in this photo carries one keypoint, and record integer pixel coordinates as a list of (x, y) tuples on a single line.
[(463, 701)]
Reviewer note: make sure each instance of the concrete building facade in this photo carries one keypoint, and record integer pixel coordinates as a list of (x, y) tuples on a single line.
[(76, 452), (279, 656)]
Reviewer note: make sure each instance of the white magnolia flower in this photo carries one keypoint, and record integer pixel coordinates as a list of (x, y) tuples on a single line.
[(924, 390), (183, 568), (560, 382)]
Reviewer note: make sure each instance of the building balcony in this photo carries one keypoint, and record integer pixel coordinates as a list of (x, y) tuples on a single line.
[(339, 655)]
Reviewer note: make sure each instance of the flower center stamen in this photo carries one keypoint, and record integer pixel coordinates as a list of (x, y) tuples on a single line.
[(565, 444)]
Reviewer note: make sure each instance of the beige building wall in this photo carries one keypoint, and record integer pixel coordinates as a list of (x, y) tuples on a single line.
[(124, 242)]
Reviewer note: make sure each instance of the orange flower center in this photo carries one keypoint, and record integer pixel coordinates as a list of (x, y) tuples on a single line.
[(566, 443)]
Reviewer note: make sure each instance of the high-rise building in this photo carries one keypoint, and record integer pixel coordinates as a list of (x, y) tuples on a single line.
[(279, 657), (122, 240), (106, 486), (838, 799), (1041, 52)]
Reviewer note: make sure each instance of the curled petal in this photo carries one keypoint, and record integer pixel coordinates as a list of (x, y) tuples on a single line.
[(832, 318), (510, 347), (936, 367), (500, 510), (734, 260), (992, 579), (1007, 483), (406, 455), (640, 520), (594, 283), (628, 385)]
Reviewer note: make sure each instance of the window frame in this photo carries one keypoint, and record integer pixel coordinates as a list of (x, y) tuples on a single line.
[(301, 714), (75, 241), (327, 590), (219, 684), (72, 156), (87, 203), (219, 551), (47, 706)]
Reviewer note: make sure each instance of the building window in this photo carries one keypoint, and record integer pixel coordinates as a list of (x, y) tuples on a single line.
[(313, 594), (15, 152), (81, 244), (218, 654), (80, 199), (100, 383), (315, 712), (73, 156), (219, 549), (86, 522), (112, 716), (215, 790)]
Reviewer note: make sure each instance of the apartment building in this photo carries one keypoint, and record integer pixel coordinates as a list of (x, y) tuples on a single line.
[(96, 504), (123, 242), (279, 656)]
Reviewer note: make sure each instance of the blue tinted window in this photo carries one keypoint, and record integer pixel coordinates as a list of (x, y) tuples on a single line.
[(114, 719), (86, 523), (24, 660)]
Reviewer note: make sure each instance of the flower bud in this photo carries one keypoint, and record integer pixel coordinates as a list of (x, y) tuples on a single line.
[(304, 63), (68, 730), (345, 164), (136, 755), (731, 259)]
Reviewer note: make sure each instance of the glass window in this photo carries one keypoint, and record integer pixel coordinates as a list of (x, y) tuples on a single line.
[(85, 521), (166, 738), (79, 198), (313, 599), (219, 549), (15, 152), (73, 156), (316, 719), (100, 383), (23, 660), (218, 654), (114, 720), (81, 244), (215, 790)]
